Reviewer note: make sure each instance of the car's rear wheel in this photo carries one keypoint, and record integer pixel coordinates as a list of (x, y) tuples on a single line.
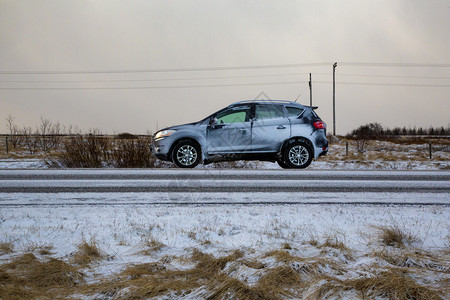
[(298, 155), (186, 154)]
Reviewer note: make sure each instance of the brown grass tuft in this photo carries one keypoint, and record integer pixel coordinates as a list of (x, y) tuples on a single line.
[(87, 252), (394, 284), (282, 256), (286, 246), (151, 246), (254, 264), (28, 278), (335, 243), (54, 273), (394, 236), (391, 284), (231, 288), (210, 265), (146, 269), (153, 280), (275, 284), (282, 280), (6, 248)]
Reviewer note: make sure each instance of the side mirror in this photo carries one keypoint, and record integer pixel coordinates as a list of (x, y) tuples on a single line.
[(212, 122)]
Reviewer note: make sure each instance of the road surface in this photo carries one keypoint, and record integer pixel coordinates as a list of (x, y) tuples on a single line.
[(204, 186)]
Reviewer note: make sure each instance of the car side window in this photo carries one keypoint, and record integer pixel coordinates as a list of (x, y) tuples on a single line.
[(294, 112), (233, 115), (264, 112)]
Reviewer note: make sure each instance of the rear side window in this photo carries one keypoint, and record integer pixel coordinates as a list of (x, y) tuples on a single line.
[(264, 112), (294, 112)]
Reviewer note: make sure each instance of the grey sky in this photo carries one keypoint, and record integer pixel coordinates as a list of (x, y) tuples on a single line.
[(136, 35)]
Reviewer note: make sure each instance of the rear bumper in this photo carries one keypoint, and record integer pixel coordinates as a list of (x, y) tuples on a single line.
[(323, 153)]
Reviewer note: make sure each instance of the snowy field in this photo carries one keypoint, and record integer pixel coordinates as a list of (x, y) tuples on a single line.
[(322, 250)]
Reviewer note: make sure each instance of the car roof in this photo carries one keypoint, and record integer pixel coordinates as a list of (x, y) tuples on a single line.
[(277, 102)]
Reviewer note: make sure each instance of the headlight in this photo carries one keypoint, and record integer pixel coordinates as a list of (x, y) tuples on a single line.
[(163, 133)]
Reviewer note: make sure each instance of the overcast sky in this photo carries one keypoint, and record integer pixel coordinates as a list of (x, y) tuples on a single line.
[(53, 54)]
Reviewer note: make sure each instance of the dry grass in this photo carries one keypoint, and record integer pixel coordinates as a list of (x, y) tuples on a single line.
[(151, 246), (211, 277), (276, 283), (416, 259), (336, 243), (282, 256), (394, 236), (153, 280), (140, 270), (26, 277), (390, 284), (286, 246), (87, 253), (6, 248)]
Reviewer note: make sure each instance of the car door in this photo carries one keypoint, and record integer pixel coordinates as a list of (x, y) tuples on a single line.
[(270, 128), (230, 131)]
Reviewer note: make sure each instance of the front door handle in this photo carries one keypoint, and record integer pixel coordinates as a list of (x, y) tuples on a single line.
[(243, 131), (281, 127)]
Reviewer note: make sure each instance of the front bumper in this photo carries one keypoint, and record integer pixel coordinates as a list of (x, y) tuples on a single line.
[(160, 149)]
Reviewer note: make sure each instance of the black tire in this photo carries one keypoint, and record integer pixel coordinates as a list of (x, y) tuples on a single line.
[(297, 155), (186, 154), (282, 164)]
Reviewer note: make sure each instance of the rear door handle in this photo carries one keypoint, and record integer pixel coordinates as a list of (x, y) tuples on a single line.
[(243, 131), (281, 127)]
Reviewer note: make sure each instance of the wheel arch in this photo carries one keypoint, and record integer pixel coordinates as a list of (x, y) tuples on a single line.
[(298, 139), (184, 139)]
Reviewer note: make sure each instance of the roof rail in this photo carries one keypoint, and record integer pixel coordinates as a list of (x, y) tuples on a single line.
[(268, 101)]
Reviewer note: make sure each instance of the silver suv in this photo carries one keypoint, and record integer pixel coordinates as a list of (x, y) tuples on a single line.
[(283, 131)]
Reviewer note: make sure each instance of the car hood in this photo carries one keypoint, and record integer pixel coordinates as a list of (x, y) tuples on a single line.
[(183, 126)]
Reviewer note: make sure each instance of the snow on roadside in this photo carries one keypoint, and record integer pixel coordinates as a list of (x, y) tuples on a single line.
[(124, 232), (16, 163)]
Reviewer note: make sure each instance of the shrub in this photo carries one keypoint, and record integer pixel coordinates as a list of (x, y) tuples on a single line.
[(132, 153), (372, 131), (96, 151)]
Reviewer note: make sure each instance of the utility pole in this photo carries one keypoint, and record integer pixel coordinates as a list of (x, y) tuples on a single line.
[(334, 98), (310, 90)]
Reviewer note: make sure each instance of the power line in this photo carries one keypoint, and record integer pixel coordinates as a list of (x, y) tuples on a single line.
[(407, 65), (218, 77), (210, 86), (47, 72), (387, 84), (392, 76), (142, 87), (148, 80), (197, 69)]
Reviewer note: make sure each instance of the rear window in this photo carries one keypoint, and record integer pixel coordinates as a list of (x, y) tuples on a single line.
[(294, 112), (315, 114)]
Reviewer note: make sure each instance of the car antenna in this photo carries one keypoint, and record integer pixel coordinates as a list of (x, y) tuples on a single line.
[(297, 97)]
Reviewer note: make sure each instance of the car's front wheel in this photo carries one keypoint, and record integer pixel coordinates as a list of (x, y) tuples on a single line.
[(282, 164), (186, 154), (298, 155)]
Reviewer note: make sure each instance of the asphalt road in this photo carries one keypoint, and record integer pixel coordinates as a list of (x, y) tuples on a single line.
[(223, 181)]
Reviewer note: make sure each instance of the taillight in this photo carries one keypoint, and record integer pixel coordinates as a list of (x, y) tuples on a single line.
[(320, 125)]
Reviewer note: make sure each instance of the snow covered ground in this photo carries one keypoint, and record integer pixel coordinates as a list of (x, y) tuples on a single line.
[(345, 239)]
